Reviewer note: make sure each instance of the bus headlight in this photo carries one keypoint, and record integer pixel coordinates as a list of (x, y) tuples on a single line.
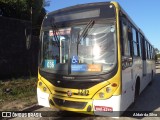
[(101, 95), (108, 89), (106, 92), (44, 89)]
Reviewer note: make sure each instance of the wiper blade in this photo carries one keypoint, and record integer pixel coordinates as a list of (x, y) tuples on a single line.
[(89, 25)]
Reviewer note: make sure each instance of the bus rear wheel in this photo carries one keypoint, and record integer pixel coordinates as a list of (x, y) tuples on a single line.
[(151, 82), (137, 88), (136, 93)]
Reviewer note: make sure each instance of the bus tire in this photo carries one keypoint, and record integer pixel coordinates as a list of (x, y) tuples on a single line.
[(151, 82), (136, 93), (137, 88)]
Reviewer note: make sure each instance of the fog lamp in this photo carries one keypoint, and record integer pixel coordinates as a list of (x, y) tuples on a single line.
[(44, 89), (89, 108), (101, 95), (108, 89)]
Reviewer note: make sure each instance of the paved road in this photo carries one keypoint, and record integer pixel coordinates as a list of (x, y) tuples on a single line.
[(149, 100)]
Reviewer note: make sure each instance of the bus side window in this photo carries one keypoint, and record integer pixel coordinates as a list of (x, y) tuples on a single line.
[(139, 45), (143, 47), (125, 41), (135, 43), (149, 53), (130, 39), (146, 49), (152, 53)]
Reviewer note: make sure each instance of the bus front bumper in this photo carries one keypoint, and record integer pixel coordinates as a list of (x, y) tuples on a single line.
[(107, 107), (42, 98)]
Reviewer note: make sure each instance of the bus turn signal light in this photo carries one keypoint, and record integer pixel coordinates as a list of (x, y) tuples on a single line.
[(40, 83), (114, 84)]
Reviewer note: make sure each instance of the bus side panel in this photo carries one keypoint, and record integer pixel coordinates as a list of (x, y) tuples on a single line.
[(144, 76), (129, 77), (137, 73), (148, 65), (127, 92)]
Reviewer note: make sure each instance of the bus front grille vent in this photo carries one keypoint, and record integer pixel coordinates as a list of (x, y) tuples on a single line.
[(71, 104)]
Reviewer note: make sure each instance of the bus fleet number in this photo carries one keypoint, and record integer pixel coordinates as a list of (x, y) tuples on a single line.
[(83, 92)]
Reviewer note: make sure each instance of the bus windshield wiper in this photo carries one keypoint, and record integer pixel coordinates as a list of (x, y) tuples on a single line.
[(89, 25)]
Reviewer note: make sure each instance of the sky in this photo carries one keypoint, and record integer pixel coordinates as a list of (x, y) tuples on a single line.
[(144, 13)]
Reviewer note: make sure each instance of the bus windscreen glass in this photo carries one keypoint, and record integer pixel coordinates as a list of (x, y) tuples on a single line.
[(94, 52)]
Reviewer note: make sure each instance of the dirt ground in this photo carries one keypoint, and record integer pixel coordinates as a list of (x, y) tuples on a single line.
[(18, 105)]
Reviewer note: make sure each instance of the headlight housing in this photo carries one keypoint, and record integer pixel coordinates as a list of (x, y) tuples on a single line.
[(106, 92)]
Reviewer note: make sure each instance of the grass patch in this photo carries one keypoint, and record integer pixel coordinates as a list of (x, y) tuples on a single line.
[(21, 92)]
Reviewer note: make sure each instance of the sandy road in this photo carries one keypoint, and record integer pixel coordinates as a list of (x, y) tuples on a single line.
[(149, 100)]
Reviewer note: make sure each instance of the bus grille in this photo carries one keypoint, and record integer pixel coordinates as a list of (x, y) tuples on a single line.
[(71, 104)]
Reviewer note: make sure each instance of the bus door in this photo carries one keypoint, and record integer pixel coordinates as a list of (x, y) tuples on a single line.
[(127, 64)]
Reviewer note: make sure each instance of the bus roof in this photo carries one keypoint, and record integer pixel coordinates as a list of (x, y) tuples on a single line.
[(78, 6), (117, 5)]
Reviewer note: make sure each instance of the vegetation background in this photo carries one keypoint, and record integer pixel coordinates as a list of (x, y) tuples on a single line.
[(18, 93)]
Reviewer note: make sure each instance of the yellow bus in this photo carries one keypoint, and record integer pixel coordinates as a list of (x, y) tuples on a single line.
[(93, 59)]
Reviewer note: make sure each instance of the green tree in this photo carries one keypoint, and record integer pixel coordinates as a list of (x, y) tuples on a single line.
[(46, 3), (31, 10), (19, 9), (156, 50)]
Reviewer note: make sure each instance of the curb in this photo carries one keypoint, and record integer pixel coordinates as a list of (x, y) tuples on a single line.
[(32, 107)]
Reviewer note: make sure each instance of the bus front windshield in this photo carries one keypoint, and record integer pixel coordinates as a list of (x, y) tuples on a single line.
[(79, 50)]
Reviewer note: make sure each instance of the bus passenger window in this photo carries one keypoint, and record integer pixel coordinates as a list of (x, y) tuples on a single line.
[(139, 45), (149, 52), (125, 40), (146, 49), (135, 44)]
